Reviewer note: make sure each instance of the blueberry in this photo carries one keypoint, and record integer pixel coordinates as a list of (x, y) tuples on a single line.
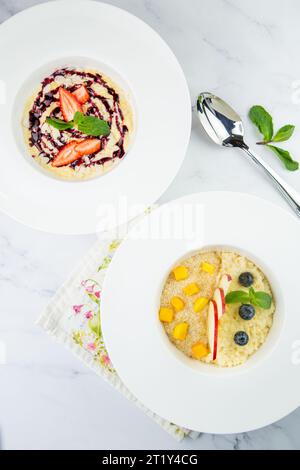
[(246, 279), (241, 338), (246, 311)]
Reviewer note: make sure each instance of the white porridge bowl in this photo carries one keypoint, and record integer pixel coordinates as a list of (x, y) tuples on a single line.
[(132, 55), (263, 351), (204, 397)]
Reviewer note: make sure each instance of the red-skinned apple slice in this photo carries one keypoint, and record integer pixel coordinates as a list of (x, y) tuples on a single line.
[(220, 293), (212, 328), (219, 297), (225, 282)]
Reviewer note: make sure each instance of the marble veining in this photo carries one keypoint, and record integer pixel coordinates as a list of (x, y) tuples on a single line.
[(244, 51)]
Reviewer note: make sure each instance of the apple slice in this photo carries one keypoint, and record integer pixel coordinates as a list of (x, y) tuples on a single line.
[(219, 298), (220, 293), (225, 282), (212, 328)]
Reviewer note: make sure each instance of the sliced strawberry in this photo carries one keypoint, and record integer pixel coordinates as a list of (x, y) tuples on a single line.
[(88, 146), (68, 104), (81, 94), (66, 155)]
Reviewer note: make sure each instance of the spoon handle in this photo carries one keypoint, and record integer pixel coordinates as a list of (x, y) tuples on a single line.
[(290, 194)]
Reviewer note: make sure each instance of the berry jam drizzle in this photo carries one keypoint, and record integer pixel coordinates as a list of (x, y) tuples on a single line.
[(47, 145)]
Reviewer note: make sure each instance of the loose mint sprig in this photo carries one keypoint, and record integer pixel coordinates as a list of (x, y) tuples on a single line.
[(264, 122), (89, 125)]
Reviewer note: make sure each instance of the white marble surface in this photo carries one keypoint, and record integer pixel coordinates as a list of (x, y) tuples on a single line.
[(247, 53)]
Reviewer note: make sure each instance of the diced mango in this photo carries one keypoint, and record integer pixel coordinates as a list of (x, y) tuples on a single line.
[(166, 314), (200, 303), (191, 289), (208, 268), (181, 273), (177, 303), (180, 331), (199, 350)]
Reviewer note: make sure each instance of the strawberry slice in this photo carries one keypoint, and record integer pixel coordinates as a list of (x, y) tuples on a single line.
[(68, 104), (81, 94), (66, 155), (88, 146)]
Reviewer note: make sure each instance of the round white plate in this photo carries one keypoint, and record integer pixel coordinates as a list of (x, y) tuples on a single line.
[(186, 392), (79, 32)]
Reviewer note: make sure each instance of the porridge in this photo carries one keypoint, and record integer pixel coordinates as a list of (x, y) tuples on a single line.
[(217, 307), (78, 124)]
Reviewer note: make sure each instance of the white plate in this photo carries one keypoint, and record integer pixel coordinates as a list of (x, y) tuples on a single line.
[(49, 35), (186, 392)]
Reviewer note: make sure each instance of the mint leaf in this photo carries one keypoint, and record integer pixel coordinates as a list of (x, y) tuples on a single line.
[(284, 133), (237, 296), (59, 124), (263, 121), (91, 125), (262, 300), (285, 157)]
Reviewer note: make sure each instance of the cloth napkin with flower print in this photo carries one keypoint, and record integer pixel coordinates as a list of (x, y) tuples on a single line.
[(73, 318)]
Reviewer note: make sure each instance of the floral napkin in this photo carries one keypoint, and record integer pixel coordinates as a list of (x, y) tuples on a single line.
[(73, 318)]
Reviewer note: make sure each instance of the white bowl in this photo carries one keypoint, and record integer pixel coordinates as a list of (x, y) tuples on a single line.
[(199, 396), (116, 42), (271, 340)]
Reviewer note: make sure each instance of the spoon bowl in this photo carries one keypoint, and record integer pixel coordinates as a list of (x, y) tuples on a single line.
[(223, 125)]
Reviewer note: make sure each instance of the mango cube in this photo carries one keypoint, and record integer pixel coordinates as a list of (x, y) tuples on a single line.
[(166, 314), (180, 273), (199, 350), (208, 268), (191, 289), (180, 331), (200, 303), (177, 303)]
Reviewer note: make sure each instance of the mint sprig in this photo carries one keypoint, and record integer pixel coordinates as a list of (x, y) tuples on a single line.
[(256, 298), (89, 125), (264, 122)]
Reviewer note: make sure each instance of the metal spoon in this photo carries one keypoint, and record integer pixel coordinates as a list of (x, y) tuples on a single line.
[(224, 126)]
